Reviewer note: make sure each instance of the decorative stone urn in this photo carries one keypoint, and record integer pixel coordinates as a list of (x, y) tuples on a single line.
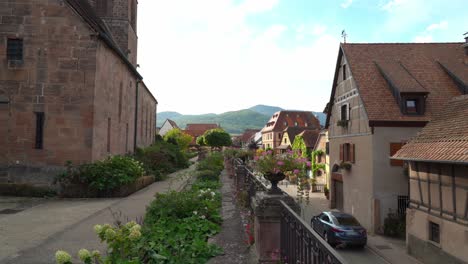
[(274, 178)]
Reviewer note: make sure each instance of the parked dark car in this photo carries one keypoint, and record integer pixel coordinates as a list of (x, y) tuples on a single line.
[(339, 228)]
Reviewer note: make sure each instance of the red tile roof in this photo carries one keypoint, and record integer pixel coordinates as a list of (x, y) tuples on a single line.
[(282, 119), (310, 137), (444, 139), (203, 127), (415, 66), (247, 135)]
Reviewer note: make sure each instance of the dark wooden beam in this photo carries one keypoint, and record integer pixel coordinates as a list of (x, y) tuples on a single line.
[(454, 193), (440, 188), (428, 174), (419, 183)]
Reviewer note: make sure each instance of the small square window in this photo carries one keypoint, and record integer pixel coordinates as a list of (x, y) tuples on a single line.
[(14, 49), (434, 232), (412, 106)]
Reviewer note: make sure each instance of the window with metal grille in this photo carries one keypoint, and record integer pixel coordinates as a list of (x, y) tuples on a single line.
[(434, 232), (39, 141), (14, 49)]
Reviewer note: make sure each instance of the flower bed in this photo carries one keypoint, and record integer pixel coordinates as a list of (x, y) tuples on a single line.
[(176, 227)]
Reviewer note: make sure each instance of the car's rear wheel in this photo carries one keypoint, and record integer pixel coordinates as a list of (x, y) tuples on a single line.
[(327, 239)]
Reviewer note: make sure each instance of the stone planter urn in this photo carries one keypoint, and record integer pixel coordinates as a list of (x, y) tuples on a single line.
[(274, 178)]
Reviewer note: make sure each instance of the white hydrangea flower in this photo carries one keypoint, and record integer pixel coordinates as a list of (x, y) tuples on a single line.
[(62, 257), (84, 254), (195, 212)]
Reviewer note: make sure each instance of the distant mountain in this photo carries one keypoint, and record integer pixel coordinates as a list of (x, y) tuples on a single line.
[(265, 109), (234, 122), (322, 117), (167, 115)]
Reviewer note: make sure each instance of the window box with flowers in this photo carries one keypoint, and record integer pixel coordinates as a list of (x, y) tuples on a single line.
[(346, 166), (342, 123)]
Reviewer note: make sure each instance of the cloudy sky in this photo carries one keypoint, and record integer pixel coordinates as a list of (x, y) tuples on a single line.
[(213, 56)]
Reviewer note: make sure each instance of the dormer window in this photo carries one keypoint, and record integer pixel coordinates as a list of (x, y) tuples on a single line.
[(413, 105), (285, 123), (295, 123)]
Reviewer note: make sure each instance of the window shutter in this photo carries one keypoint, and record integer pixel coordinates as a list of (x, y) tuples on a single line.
[(394, 147), (341, 152), (351, 153)]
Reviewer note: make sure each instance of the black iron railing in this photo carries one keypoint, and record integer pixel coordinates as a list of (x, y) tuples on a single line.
[(403, 203), (302, 245)]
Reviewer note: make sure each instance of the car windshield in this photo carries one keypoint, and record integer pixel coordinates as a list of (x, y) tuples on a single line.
[(346, 220)]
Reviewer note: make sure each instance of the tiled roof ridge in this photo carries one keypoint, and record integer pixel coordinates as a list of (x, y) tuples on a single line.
[(401, 43)]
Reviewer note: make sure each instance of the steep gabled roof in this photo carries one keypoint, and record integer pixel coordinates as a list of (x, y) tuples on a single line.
[(293, 132), (309, 137), (248, 135), (286, 118), (173, 124), (414, 67), (444, 139)]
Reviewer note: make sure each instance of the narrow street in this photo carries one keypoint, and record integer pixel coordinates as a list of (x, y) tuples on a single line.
[(318, 203)]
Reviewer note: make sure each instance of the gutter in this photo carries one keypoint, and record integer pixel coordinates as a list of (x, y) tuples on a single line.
[(461, 162)]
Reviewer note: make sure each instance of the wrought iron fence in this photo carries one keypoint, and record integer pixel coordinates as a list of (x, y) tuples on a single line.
[(403, 203), (302, 245)]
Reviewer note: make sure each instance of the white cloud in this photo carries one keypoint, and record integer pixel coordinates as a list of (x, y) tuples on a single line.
[(393, 4), (201, 60), (259, 6), (319, 29), (346, 3), (423, 38), (441, 25)]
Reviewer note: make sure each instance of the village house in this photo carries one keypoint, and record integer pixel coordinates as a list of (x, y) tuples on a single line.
[(437, 217), (272, 132), (69, 87), (382, 95), (288, 136), (167, 126), (196, 130), (247, 137), (321, 145)]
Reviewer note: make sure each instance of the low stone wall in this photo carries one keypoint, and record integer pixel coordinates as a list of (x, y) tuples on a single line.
[(83, 191), (36, 176)]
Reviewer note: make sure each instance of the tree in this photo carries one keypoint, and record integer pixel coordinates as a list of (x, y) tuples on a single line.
[(200, 141), (217, 137), (180, 138), (300, 145)]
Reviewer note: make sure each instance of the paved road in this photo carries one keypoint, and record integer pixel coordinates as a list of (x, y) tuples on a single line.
[(316, 204), (34, 235)]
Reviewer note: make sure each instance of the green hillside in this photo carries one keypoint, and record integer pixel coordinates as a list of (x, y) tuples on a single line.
[(234, 122)]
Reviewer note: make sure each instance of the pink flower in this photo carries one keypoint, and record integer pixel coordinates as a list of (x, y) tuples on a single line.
[(256, 158), (308, 164), (296, 171), (280, 163)]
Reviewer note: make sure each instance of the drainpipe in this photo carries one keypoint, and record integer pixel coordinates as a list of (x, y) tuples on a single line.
[(136, 117)]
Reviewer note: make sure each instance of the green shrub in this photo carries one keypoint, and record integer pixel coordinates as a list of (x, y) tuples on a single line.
[(208, 175), (162, 158), (105, 175), (214, 162)]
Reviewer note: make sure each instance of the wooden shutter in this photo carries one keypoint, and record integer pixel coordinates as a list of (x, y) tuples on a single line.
[(341, 152), (394, 147), (351, 153)]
